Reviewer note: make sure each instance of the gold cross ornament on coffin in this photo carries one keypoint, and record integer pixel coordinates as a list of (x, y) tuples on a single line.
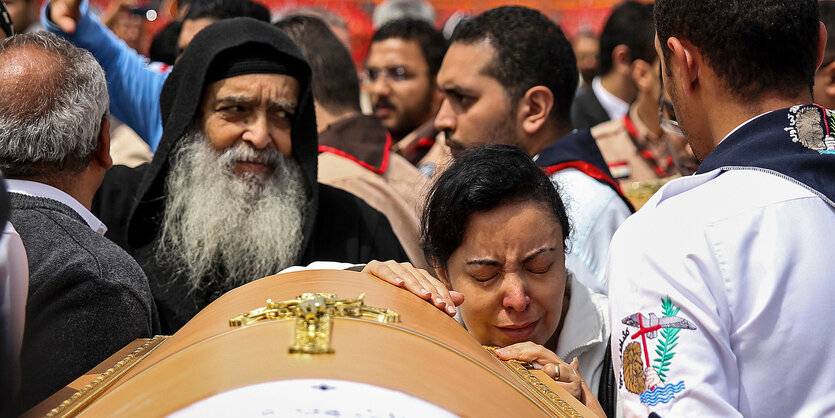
[(314, 313)]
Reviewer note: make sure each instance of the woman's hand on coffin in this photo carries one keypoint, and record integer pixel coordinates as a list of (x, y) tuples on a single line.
[(417, 281), (546, 360)]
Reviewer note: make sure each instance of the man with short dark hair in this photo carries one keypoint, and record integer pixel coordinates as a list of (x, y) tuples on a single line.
[(354, 149), (86, 295), (509, 77), (723, 300), (620, 44), (135, 85), (399, 76), (231, 194)]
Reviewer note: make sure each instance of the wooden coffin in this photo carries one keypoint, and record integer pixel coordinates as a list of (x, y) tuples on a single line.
[(426, 358)]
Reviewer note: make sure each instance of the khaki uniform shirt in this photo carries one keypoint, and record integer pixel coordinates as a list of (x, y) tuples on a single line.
[(632, 153)]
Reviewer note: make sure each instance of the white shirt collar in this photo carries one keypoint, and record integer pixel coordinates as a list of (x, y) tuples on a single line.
[(583, 324), (33, 188), (614, 106)]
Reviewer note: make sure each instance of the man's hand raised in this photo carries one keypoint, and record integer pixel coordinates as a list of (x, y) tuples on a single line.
[(65, 14)]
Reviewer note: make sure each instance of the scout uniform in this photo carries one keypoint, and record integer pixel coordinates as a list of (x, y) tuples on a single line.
[(721, 286)]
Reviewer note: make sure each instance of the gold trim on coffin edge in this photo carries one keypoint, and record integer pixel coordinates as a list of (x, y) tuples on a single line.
[(540, 388), (556, 406), (89, 393)]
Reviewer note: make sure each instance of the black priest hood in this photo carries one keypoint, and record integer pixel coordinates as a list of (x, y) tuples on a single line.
[(213, 47), (131, 201)]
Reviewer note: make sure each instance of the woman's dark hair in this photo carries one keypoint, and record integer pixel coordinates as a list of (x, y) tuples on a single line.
[(481, 180)]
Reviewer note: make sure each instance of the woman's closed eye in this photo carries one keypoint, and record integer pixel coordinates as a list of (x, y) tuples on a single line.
[(540, 264), (483, 273)]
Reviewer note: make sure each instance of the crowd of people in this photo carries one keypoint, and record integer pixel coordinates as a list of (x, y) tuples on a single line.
[(489, 169)]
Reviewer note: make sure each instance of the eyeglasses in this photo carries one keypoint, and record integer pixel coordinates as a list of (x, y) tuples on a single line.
[(669, 124), (396, 73)]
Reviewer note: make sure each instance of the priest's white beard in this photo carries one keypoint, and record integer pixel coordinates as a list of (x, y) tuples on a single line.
[(215, 221)]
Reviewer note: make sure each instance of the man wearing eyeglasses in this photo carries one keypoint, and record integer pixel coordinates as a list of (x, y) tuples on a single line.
[(399, 77), (720, 287)]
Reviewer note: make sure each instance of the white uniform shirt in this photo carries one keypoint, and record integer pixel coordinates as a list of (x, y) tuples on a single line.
[(745, 261), (595, 212)]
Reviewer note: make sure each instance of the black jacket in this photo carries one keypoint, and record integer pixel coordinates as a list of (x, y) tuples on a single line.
[(586, 111), (131, 202)]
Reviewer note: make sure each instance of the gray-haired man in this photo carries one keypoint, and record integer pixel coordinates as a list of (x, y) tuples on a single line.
[(87, 297)]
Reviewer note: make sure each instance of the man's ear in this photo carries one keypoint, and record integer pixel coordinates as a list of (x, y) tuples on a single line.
[(822, 34), (829, 79), (622, 59), (535, 108), (686, 59), (642, 74), (102, 153)]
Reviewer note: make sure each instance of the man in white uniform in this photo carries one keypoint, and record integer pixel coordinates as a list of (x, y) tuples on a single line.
[(721, 285)]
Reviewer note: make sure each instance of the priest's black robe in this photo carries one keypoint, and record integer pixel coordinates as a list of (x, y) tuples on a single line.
[(131, 201)]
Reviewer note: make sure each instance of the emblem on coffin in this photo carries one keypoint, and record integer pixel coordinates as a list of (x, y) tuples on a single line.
[(314, 313)]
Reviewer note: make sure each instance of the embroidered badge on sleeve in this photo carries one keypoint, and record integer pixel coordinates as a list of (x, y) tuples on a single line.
[(645, 377)]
